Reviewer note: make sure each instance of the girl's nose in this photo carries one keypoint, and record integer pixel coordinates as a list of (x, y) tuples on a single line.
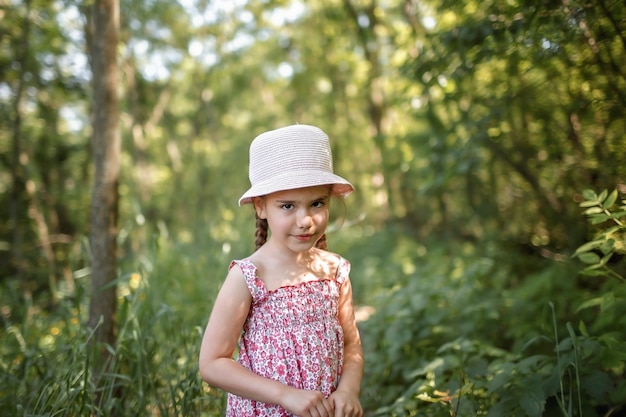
[(304, 220)]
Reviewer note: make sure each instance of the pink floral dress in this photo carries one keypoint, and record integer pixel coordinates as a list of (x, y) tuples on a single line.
[(292, 335)]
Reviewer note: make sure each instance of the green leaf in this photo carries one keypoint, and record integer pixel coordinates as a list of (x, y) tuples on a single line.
[(588, 203), (613, 229), (619, 214), (533, 401), (608, 301), (612, 359), (602, 195), (590, 195), (531, 363), (571, 332), (498, 381), (598, 385), (605, 259), (593, 210), (587, 247), (593, 271), (608, 246), (599, 218), (565, 345), (605, 302), (589, 257), (590, 303), (610, 200)]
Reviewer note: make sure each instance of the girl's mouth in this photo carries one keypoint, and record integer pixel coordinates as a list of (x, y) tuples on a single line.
[(303, 238)]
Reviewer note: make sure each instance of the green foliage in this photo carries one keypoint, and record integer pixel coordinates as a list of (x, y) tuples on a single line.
[(608, 241), (466, 334), (457, 330), (501, 88), (45, 367)]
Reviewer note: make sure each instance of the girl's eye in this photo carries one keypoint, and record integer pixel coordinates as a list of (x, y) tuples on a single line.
[(318, 204), (287, 206)]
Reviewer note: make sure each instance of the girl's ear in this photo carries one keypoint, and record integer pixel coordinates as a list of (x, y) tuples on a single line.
[(259, 207)]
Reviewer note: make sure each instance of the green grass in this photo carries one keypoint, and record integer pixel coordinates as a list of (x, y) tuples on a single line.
[(165, 294)]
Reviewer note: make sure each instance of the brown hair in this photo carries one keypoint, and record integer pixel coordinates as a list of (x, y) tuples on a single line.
[(260, 234)]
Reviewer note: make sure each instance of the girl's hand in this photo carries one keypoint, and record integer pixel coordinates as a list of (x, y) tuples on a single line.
[(346, 404), (304, 403)]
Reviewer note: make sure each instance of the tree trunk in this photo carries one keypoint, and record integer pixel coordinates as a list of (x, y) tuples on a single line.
[(17, 168), (104, 201)]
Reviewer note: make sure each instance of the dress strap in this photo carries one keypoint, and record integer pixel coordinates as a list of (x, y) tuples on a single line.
[(253, 282), (343, 271)]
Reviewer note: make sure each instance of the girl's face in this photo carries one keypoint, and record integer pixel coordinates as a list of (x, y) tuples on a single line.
[(296, 218)]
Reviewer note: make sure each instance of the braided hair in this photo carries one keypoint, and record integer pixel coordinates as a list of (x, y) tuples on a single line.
[(260, 234)]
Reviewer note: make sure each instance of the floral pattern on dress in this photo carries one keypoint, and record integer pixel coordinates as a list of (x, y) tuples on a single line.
[(292, 335)]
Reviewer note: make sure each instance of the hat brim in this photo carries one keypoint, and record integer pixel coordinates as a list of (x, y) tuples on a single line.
[(293, 180)]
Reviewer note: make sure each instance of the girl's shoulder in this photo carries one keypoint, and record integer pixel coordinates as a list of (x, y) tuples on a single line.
[(328, 256), (335, 265), (250, 276), (244, 264)]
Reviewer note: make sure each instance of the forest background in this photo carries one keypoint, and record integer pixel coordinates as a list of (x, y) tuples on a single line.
[(486, 141)]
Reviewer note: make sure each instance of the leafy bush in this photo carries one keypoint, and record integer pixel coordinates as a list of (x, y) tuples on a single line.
[(466, 334)]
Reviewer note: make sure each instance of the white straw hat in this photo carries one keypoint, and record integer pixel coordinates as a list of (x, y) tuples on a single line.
[(292, 157)]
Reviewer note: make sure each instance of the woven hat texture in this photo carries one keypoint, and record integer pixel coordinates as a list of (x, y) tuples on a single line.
[(292, 157)]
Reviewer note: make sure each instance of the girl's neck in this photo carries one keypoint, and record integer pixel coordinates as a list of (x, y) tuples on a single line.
[(278, 267)]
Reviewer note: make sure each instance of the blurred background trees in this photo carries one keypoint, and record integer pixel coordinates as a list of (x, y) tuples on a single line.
[(469, 128)]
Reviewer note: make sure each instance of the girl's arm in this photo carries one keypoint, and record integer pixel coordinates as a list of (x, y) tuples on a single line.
[(218, 368), (346, 397)]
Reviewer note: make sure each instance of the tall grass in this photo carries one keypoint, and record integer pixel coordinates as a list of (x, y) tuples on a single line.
[(165, 295)]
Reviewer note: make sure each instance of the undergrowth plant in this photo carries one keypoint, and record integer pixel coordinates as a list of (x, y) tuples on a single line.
[(45, 367), (465, 334), (609, 240), (458, 330)]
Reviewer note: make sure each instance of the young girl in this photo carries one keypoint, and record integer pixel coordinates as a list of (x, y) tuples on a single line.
[(288, 305)]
